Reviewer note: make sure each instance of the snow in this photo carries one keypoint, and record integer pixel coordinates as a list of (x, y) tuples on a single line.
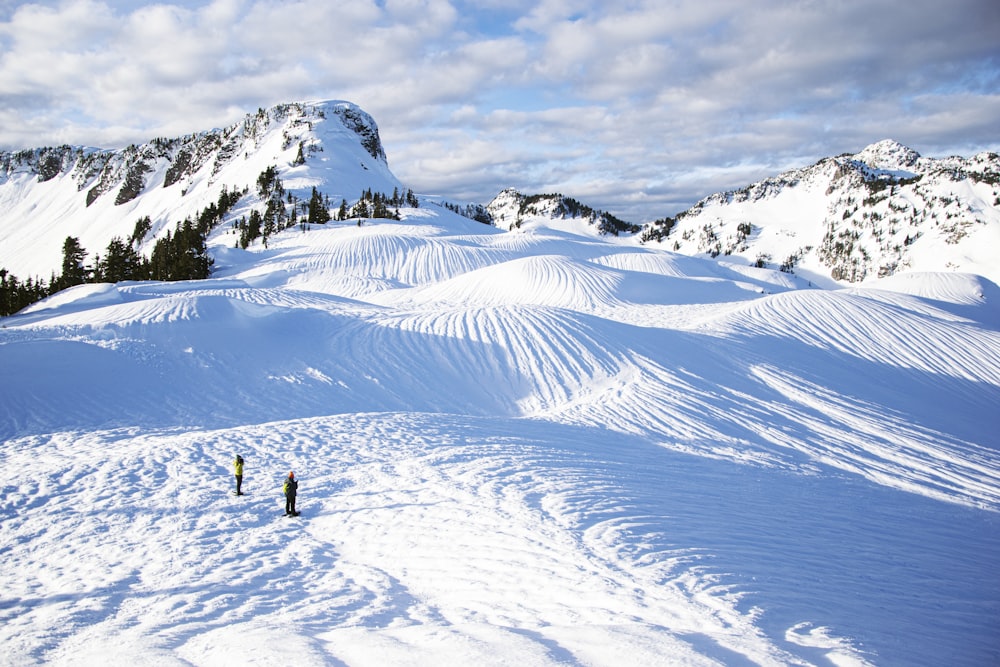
[(533, 447), (36, 217)]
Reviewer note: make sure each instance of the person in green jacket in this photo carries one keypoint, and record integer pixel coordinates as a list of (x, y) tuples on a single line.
[(238, 465)]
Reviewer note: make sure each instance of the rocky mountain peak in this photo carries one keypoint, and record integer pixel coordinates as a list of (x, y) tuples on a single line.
[(889, 155)]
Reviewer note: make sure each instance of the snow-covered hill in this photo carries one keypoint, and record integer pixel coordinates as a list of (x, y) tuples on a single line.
[(539, 447), (883, 211)]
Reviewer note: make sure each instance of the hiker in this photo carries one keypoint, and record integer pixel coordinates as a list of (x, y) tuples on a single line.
[(238, 465), (291, 487)]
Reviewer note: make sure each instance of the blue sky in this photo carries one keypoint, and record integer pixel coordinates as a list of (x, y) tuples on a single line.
[(640, 108)]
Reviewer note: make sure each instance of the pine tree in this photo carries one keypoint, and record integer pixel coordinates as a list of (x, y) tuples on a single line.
[(360, 209), (250, 230), (142, 227), (15, 295), (73, 271), (120, 262), (318, 212)]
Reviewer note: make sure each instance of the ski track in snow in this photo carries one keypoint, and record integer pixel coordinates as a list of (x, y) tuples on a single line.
[(507, 541), (524, 448)]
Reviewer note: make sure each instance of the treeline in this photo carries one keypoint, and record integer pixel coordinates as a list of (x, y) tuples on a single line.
[(476, 212), (607, 223), (284, 210), (15, 294), (567, 207), (378, 205), (182, 254)]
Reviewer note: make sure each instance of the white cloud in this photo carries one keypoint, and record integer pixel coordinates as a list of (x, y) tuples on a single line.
[(620, 100)]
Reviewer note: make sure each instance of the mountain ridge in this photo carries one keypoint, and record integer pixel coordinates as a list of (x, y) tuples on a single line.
[(842, 220), (854, 217)]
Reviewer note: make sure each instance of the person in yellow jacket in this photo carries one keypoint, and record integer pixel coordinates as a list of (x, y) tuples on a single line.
[(238, 465)]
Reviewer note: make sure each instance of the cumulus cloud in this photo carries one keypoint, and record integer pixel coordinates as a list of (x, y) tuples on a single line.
[(636, 106)]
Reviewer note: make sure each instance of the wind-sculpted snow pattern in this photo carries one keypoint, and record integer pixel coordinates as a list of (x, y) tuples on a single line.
[(534, 448)]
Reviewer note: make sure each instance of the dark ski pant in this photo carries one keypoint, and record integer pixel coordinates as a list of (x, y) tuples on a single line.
[(239, 485), (290, 504)]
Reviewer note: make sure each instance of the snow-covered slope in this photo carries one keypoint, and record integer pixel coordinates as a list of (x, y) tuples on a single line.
[(539, 448), (94, 195), (513, 210), (851, 218)]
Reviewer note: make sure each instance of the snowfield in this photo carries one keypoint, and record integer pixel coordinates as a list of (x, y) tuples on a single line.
[(514, 448)]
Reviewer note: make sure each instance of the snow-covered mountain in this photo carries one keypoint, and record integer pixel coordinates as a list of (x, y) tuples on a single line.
[(539, 445), (511, 210), (48, 194), (851, 218)]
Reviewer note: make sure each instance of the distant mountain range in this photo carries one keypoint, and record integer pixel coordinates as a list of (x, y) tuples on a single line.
[(853, 217), (844, 219)]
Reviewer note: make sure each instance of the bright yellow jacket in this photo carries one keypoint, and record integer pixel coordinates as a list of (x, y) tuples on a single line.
[(238, 463)]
